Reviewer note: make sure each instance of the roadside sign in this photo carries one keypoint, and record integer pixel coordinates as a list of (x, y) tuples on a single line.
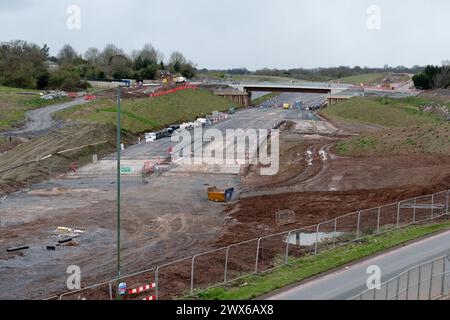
[(125, 170), (122, 288)]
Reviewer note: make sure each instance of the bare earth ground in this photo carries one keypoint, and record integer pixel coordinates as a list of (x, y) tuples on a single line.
[(171, 218), (330, 186)]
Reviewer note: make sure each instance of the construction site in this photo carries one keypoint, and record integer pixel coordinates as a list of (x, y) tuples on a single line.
[(64, 213)]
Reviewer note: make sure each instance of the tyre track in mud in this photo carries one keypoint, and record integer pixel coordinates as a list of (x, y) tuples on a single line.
[(316, 164)]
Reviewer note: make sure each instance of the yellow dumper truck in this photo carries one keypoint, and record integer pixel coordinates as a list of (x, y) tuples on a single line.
[(286, 106), (218, 195)]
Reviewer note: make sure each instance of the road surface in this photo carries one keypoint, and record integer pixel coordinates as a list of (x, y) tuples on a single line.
[(40, 121), (348, 282)]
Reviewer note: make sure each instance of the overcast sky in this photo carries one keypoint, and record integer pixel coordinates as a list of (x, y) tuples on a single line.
[(245, 33)]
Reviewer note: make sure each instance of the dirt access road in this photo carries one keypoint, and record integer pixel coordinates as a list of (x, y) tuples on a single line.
[(40, 121)]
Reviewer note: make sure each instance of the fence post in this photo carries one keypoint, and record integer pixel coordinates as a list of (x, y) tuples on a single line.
[(357, 225), (110, 290), (386, 293), (156, 283), (398, 215), (192, 274), (431, 280), (334, 233), (418, 284), (378, 220), (257, 255), (288, 240), (432, 206), (414, 212), (317, 239), (443, 276), (407, 286), (446, 201), (226, 266), (298, 235)]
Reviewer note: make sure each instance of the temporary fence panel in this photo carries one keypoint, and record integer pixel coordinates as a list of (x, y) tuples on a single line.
[(241, 260), (368, 222), (272, 251), (173, 279), (208, 269)]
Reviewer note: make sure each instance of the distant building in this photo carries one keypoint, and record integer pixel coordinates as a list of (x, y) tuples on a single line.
[(51, 66)]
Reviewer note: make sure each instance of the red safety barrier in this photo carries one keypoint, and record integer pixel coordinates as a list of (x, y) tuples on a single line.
[(90, 97), (149, 298), (162, 93), (141, 289)]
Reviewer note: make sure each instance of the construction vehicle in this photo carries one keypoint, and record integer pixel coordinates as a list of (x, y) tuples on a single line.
[(218, 195), (286, 106), (179, 80)]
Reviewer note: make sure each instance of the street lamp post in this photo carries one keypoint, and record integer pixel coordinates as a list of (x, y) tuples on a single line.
[(118, 147)]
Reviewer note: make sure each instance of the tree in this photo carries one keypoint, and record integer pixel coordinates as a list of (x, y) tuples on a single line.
[(45, 51), (67, 54), (20, 64), (187, 70), (147, 73), (176, 62), (148, 55), (92, 56), (422, 81), (43, 80), (113, 60)]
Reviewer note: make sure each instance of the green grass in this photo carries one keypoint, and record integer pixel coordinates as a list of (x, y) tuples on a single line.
[(262, 99), (299, 269), (145, 114), (366, 78), (382, 112), (4, 89), (406, 129)]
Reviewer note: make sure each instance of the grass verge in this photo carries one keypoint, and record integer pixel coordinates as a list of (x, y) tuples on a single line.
[(139, 115), (299, 269), (406, 129), (390, 113)]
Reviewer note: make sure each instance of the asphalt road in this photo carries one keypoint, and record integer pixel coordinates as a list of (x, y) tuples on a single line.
[(40, 121), (348, 282), (265, 117)]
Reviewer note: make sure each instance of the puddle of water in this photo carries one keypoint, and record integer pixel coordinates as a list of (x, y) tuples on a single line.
[(308, 239)]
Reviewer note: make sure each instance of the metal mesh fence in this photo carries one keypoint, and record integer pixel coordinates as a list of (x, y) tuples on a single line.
[(427, 281)]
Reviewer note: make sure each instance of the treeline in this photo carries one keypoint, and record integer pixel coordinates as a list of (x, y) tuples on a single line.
[(433, 77), (318, 74), (327, 74), (26, 65)]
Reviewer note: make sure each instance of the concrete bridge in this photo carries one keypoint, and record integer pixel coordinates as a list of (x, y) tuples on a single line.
[(320, 88)]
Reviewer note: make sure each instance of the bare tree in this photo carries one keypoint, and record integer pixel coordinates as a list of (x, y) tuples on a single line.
[(176, 62), (92, 56), (67, 54)]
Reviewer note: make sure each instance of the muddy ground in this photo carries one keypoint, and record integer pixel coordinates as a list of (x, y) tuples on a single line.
[(319, 185)]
